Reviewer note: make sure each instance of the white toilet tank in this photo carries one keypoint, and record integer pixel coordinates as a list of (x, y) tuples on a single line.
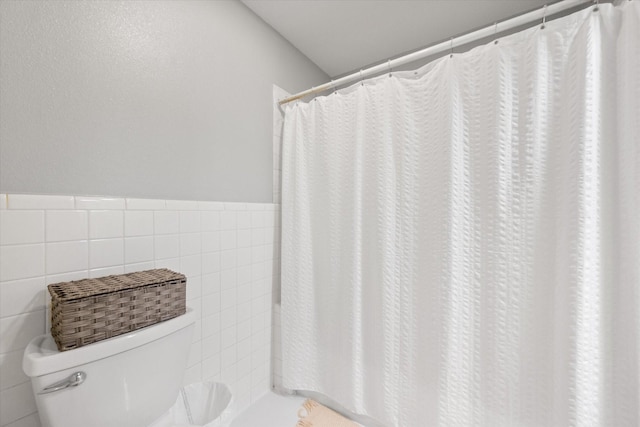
[(126, 381)]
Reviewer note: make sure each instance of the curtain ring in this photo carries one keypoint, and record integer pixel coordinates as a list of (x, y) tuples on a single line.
[(451, 53), (335, 88), (597, 8), (495, 33), (361, 78), (389, 65), (544, 17)]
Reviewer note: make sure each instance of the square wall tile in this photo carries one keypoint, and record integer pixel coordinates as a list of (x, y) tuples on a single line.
[(189, 221), (63, 257), (211, 241), (19, 227), (243, 220), (191, 266), (257, 219), (228, 239), (228, 337), (211, 367), (210, 324), (244, 238), (167, 246), (106, 224), (257, 236), (195, 353), (244, 348), (210, 221), (67, 225), (243, 311), (211, 304), (228, 375), (190, 244), (229, 356), (211, 346), (138, 223), (15, 403), (228, 220), (210, 283), (17, 331), (244, 330), (138, 249), (192, 374), (244, 366), (106, 253), (228, 299), (21, 261), (228, 278), (194, 287), (270, 217), (228, 317), (11, 373), (243, 275), (210, 262), (244, 256), (22, 296), (166, 222), (244, 293), (228, 259)]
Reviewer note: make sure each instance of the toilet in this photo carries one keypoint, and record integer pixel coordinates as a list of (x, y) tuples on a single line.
[(127, 381)]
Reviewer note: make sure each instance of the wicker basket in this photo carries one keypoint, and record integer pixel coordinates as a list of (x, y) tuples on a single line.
[(90, 310)]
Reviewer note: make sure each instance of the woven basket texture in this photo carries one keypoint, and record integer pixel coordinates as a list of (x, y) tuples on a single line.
[(90, 310)]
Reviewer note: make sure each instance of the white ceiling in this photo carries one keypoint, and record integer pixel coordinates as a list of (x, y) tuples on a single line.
[(346, 35)]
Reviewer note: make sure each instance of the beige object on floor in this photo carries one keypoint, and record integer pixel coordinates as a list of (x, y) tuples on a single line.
[(321, 416)]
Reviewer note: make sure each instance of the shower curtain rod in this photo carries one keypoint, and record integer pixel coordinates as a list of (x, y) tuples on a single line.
[(498, 27)]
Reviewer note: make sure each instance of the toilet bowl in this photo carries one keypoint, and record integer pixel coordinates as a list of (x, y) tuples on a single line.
[(126, 381)]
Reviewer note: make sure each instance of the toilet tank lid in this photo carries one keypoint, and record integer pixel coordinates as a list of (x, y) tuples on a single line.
[(42, 357)]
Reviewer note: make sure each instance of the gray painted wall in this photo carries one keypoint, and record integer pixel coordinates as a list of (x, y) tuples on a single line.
[(157, 99)]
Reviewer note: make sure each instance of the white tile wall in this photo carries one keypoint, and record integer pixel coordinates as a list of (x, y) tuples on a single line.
[(225, 249), (66, 225), (274, 239)]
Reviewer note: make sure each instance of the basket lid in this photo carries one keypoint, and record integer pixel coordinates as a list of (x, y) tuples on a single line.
[(77, 289)]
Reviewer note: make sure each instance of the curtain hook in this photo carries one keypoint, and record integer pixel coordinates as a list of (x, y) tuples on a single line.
[(361, 78), (544, 17), (335, 88), (495, 33), (389, 65), (597, 8), (451, 54)]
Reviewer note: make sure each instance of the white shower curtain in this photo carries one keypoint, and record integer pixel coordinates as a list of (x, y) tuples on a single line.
[(461, 244)]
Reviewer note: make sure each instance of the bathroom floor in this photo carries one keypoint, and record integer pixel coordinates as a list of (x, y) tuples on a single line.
[(272, 410)]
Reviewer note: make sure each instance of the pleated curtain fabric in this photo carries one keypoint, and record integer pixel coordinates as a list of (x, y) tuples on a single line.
[(461, 244)]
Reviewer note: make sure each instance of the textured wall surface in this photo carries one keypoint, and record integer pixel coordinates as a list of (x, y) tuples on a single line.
[(155, 99), (228, 251)]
